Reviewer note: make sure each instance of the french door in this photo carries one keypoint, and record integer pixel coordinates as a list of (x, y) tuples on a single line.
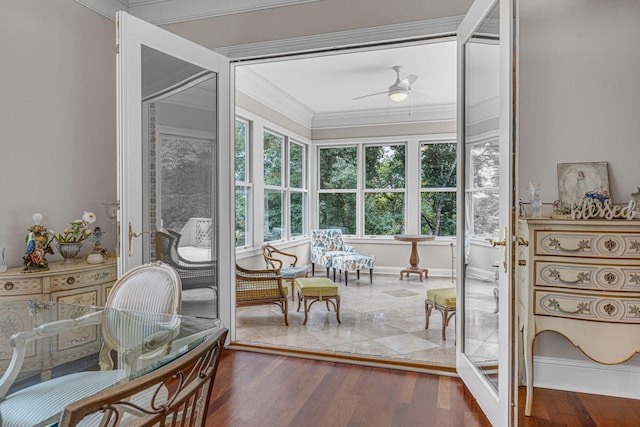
[(485, 355), (174, 149)]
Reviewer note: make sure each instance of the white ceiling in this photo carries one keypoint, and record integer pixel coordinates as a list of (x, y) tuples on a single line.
[(328, 84)]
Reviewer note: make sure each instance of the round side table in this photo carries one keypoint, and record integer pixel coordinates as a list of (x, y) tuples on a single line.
[(414, 259)]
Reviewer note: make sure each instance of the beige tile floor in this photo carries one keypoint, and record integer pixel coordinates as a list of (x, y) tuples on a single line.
[(382, 319)]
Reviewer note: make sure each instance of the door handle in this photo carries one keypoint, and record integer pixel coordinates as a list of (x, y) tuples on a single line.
[(502, 243), (132, 234)]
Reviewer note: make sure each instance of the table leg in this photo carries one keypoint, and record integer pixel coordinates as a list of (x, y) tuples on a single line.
[(414, 260)]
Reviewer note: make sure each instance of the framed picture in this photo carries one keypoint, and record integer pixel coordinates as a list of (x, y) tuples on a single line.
[(576, 180)]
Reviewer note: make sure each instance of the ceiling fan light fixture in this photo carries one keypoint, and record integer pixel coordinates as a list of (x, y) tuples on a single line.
[(398, 94)]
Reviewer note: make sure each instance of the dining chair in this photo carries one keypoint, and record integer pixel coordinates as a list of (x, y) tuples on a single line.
[(275, 259), (175, 394), (150, 288)]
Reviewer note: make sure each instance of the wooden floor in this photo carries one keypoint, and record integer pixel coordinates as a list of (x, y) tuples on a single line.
[(253, 389)]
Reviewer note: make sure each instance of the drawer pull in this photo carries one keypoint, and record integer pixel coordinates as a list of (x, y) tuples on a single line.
[(582, 277), (610, 278), (610, 309), (581, 307), (71, 280), (582, 245), (610, 245), (8, 286)]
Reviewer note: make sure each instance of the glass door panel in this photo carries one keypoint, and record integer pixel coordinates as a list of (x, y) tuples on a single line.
[(173, 149), (484, 315)]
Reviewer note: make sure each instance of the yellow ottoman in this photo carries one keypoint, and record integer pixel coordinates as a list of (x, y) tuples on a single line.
[(312, 289), (444, 300)]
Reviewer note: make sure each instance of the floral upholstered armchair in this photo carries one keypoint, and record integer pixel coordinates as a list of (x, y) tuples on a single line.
[(326, 244)]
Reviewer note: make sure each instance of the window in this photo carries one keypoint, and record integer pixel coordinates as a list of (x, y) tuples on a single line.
[(297, 189), (243, 183), (438, 189), (273, 145), (384, 189), (337, 188), (285, 188), (374, 189), (484, 188)]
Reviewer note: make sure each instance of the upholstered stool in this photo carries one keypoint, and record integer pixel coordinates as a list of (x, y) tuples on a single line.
[(353, 262), (312, 289), (444, 300)]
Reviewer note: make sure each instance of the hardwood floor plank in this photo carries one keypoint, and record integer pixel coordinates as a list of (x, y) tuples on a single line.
[(262, 390)]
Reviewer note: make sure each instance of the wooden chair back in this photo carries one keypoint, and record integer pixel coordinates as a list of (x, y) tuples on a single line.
[(175, 394)]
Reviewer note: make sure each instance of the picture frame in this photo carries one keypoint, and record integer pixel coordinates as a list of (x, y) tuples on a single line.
[(577, 180)]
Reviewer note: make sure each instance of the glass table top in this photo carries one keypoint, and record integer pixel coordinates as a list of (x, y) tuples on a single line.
[(42, 340)]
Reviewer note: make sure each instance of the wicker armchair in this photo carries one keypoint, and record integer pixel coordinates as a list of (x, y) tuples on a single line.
[(194, 274), (259, 287), (275, 259)]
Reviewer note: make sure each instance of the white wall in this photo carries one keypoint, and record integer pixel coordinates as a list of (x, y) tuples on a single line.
[(579, 102), (57, 118)]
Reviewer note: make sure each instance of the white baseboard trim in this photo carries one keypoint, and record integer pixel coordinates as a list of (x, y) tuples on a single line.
[(586, 377)]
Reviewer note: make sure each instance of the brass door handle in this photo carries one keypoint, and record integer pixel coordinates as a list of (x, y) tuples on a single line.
[(132, 234), (502, 243)]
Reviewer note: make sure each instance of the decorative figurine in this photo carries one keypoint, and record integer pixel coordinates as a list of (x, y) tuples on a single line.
[(536, 200), (38, 244)]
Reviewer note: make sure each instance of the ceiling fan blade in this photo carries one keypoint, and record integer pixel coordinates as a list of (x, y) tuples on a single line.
[(408, 81), (371, 94)]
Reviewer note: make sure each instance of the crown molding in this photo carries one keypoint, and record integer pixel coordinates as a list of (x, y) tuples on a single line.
[(406, 31), (257, 87), (106, 8), (385, 116), (171, 11)]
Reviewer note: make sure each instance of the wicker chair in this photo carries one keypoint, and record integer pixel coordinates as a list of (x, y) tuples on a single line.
[(175, 394), (194, 274), (259, 287), (275, 259)]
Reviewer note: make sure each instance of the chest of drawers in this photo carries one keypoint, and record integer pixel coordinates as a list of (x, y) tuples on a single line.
[(580, 279), (80, 284)]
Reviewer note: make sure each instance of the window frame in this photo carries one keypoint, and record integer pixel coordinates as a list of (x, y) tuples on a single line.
[(413, 189), (429, 190), (247, 184), (472, 189)]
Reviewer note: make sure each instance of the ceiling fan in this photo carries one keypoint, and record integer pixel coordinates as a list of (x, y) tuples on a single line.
[(400, 90)]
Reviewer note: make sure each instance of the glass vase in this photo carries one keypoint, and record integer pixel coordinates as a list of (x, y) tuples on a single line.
[(69, 251)]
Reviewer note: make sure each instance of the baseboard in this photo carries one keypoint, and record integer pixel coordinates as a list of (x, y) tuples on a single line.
[(395, 271), (587, 377)]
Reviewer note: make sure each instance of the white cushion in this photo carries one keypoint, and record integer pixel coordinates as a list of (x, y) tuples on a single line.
[(43, 402)]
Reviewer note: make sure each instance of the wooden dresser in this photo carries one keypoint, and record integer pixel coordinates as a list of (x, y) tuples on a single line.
[(582, 280), (81, 283)]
